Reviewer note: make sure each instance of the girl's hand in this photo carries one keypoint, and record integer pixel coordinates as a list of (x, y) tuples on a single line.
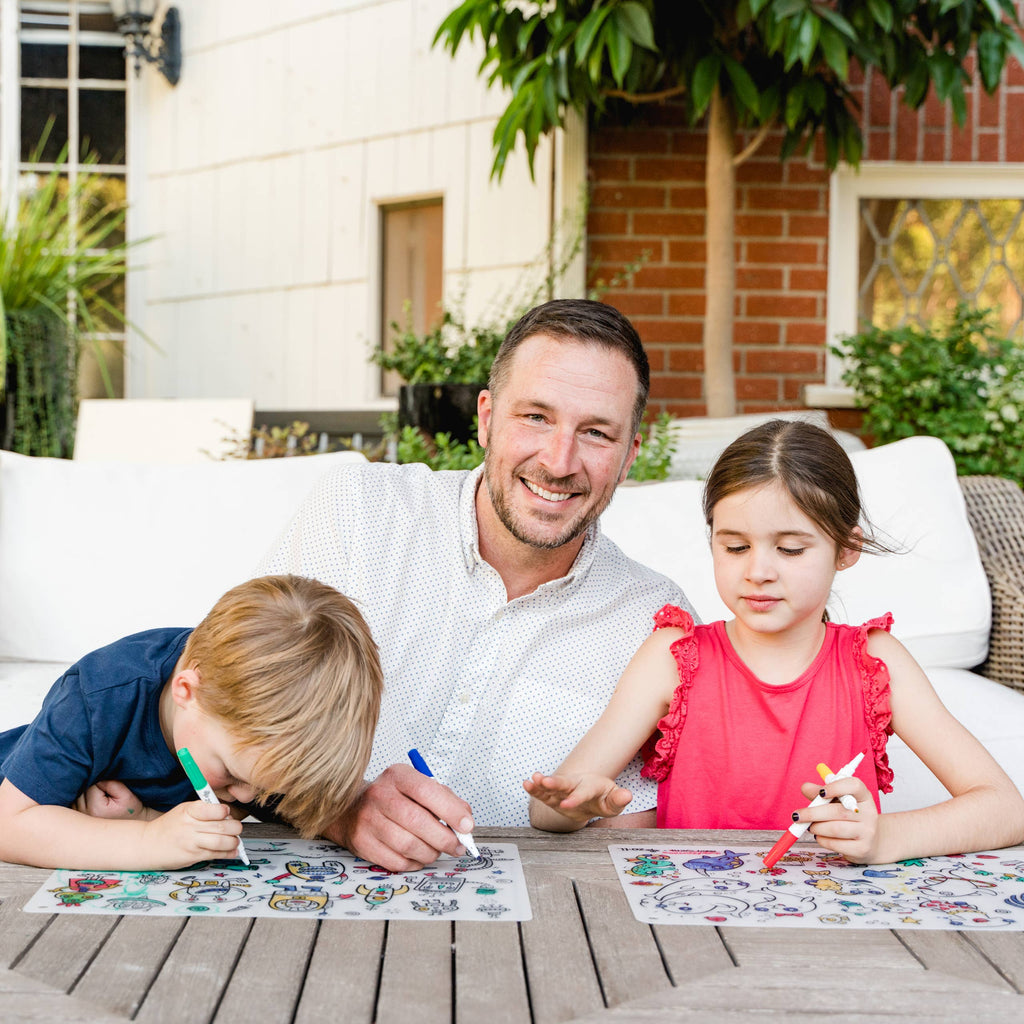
[(579, 797), (192, 832), (853, 834), (110, 799)]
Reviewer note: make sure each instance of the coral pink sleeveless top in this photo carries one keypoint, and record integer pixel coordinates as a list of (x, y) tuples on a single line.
[(732, 750)]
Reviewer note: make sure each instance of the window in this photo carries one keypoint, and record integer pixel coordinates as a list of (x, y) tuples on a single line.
[(412, 272), (907, 242), (67, 69)]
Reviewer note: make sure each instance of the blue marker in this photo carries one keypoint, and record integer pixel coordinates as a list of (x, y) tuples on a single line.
[(464, 837)]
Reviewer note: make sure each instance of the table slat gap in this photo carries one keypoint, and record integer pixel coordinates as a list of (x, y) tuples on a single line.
[(359, 947), (1005, 952)]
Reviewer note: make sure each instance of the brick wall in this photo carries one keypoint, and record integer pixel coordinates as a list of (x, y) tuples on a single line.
[(648, 197)]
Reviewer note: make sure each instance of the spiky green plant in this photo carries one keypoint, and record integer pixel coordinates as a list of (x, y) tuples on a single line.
[(61, 249)]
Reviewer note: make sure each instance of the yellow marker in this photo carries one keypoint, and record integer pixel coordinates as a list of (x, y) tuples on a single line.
[(847, 799)]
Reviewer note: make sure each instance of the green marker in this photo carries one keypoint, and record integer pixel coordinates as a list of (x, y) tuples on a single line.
[(203, 790)]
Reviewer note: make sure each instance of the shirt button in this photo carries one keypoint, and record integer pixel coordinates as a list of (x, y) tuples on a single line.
[(465, 698)]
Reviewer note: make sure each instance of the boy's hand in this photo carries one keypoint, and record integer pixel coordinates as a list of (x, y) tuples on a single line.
[(192, 832), (579, 797), (110, 799)]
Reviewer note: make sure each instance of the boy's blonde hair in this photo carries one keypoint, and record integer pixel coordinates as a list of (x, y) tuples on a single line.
[(287, 664)]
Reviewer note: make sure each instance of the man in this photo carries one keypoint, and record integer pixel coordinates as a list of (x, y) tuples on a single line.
[(503, 617)]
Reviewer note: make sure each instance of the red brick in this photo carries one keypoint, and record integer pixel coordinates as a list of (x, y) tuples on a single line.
[(613, 250), (1014, 75), (680, 411), (762, 278), (782, 252), (879, 108), (988, 109), (635, 303), (934, 110), (657, 276), (782, 362), (686, 304), (934, 146), (806, 225), (800, 172), (647, 196), (692, 142), (878, 144), (677, 387), (661, 169), (687, 198), (688, 276), (783, 199), (961, 140), (805, 333), (686, 360), (759, 224), (656, 357), (907, 122), (668, 224), (803, 280), (988, 147), (610, 168), (754, 388), (1015, 135), (751, 332), (607, 222), (759, 172), (786, 306), (657, 330), (611, 139), (687, 252)]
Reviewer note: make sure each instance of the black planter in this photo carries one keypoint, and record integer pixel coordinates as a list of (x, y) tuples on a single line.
[(439, 408)]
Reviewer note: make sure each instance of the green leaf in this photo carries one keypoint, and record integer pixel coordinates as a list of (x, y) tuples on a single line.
[(756, 6), (836, 55), (620, 52), (588, 33), (794, 106), (782, 9), (743, 84), (810, 27), (837, 21), (991, 57), (881, 11), (705, 78), (633, 21), (943, 69)]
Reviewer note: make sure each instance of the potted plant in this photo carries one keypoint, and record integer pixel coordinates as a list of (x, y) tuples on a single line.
[(60, 254)]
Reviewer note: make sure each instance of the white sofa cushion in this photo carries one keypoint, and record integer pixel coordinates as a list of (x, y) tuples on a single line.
[(78, 566), (936, 587)]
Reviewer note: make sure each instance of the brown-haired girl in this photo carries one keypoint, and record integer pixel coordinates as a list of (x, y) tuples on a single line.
[(742, 711)]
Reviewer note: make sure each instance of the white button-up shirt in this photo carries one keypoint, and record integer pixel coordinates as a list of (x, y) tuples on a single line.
[(489, 690)]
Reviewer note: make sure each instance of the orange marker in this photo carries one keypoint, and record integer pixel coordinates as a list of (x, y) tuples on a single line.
[(798, 828), (847, 799)]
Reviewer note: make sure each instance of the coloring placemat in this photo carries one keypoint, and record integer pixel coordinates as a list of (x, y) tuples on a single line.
[(817, 888), (294, 877)]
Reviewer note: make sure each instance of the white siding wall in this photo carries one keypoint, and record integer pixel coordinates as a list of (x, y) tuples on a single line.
[(259, 177)]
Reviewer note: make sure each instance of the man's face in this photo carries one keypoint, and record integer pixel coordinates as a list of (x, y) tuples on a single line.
[(558, 438)]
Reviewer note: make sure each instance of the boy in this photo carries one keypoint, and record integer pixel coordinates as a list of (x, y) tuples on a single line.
[(276, 691)]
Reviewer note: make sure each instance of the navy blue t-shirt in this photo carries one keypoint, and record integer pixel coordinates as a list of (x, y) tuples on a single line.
[(101, 720)]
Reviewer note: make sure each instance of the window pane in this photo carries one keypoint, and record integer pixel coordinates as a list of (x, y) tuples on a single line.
[(42, 61), (101, 114), (101, 62), (37, 107)]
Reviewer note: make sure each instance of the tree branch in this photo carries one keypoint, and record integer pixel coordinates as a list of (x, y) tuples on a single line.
[(646, 97), (755, 143)]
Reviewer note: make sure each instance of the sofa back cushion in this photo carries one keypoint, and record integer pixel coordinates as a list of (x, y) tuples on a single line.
[(90, 552), (935, 586)]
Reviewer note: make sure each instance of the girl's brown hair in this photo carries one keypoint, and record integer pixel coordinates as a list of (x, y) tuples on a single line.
[(287, 665), (810, 463)]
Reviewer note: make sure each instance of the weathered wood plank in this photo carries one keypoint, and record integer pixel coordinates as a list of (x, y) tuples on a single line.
[(18, 929), (26, 1000), (65, 948), (341, 982), (951, 953), (562, 978), (416, 978), (828, 949), (627, 957), (189, 986), (1005, 950), (691, 952), (489, 980), (268, 976), (119, 977)]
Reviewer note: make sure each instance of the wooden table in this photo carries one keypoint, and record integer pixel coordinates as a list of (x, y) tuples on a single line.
[(583, 957)]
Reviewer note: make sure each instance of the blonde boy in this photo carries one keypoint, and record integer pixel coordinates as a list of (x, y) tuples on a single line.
[(275, 692)]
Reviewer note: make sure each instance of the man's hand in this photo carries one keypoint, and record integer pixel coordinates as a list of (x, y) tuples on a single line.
[(111, 799), (395, 825)]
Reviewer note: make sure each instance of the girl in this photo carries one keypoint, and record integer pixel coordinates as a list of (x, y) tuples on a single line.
[(743, 710)]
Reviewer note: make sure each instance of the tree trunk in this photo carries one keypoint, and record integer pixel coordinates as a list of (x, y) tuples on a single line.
[(720, 264)]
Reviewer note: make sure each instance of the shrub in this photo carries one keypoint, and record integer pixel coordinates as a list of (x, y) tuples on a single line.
[(962, 382)]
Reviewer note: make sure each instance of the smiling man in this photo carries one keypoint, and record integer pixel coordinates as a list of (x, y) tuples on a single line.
[(502, 614)]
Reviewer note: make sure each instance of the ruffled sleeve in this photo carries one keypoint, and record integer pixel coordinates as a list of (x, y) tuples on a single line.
[(877, 704), (659, 752)]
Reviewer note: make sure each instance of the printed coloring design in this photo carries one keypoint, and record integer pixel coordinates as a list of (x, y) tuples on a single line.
[(301, 879), (812, 887)]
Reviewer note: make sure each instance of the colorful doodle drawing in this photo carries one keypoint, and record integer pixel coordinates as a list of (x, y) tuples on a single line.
[(301, 879), (814, 887)]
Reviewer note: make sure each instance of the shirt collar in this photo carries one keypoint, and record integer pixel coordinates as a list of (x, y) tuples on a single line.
[(470, 535)]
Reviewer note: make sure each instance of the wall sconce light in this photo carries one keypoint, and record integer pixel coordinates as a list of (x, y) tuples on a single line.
[(133, 19)]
